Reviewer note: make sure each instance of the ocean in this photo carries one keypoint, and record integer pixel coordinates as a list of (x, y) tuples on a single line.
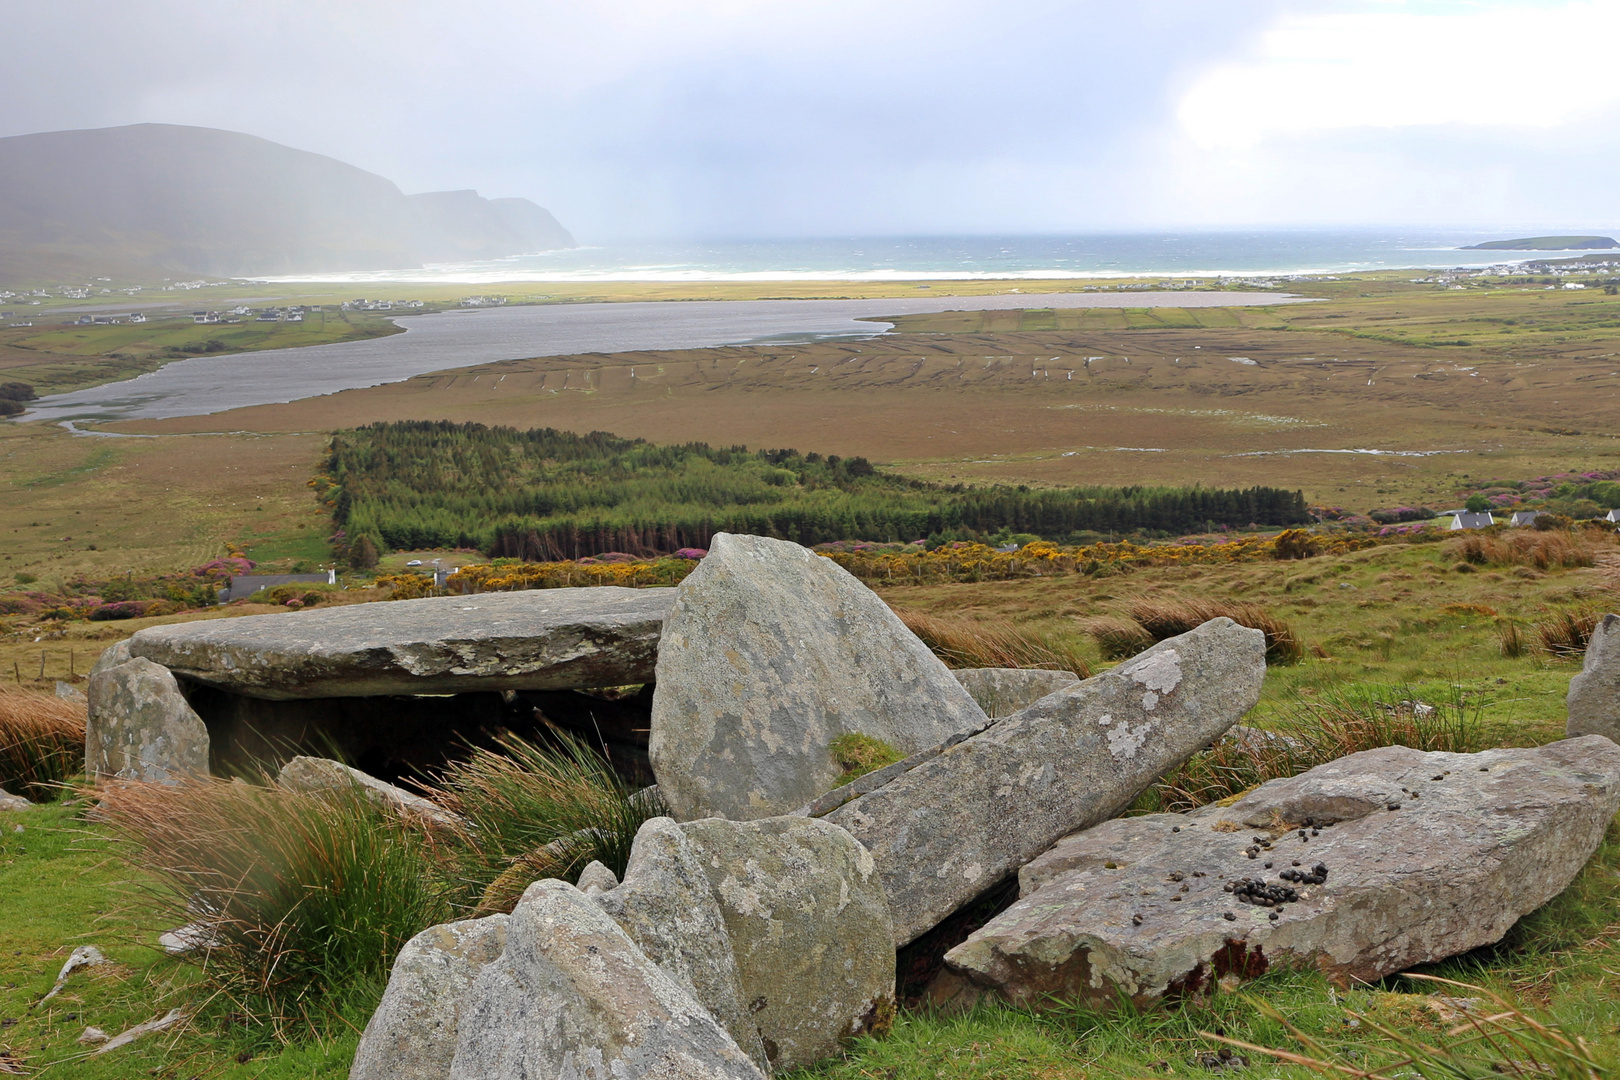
[(953, 258)]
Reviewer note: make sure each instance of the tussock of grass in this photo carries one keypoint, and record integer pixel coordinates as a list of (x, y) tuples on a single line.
[(1511, 640), (966, 642), (1161, 619), (860, 754), (1117, 638), (308, 897), (1542, 550), (1313, 731), (1565, 635), (41, 743)]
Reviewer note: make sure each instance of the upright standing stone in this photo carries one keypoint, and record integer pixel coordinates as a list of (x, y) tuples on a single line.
[(412, 1035), (1594, 694), (769, 654), (957, 824), (809, 927), (573, 997), (140, 727), (666, 906), (1002, 691)]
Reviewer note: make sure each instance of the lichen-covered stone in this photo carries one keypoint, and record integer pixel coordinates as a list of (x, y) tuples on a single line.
[(1594, 694), (770, 653), (596, 876), (111, 657), (573, 997), (666, 906), (323, 774), (809, 928), (1003, 691), (954, 826), (1394, 857), (412, 1035), (140, 726), (9, 801), (541, 639)]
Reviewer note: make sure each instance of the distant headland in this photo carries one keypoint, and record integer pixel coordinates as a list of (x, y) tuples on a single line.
[(1547, 243)]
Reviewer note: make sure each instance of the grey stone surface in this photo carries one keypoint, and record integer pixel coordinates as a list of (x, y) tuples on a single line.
[(596, 876), (9, 801), (412, 1035), (111, 657), (323, 774), (809, 927), (69, 692), (1002, 691), (1137, 907), (666, 906), (573, 997), (1594, 694), (958, 824), (140, 727), (542, 639), (770, 653)]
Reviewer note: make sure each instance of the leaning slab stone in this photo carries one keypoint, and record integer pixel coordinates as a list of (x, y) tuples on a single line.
[(666, 906), (543, 639), (1002, 691), (957, 824), (1361, 868), (809, 927), (412, 1035), (110, 657), (323, 774), (1594, 694), (573, 997), (770, 653), (140, 727)]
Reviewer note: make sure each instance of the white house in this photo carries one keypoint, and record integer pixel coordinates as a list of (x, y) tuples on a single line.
[(1612, 515), (1525, 517), (1462, 519)]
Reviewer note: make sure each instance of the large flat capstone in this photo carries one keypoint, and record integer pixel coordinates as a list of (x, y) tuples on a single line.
[(1361, 867), (543, 639), (963, 821), (770, 653)]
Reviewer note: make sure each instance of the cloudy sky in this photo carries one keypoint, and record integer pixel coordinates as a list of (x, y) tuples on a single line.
[(780, 118)]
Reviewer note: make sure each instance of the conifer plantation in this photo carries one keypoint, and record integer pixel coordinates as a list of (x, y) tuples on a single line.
[(549, 494)]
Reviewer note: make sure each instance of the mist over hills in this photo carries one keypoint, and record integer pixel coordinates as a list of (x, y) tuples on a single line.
[(190, 200)]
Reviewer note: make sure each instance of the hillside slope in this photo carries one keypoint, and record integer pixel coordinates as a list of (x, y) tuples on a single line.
[(189, 200)]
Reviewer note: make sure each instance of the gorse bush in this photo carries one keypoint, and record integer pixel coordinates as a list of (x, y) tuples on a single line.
[(41, 743), (546, 495), (964, 642), (1311, 731)]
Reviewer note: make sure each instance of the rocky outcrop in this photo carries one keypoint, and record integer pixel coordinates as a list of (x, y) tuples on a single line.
[(542, 639), (572, 996), (1594, 694), (140, 727), (412, 1035), (959, 823), (1361, 868), (666, 906), (809, 928), (1003, 691), (769, 654), (323, 774)]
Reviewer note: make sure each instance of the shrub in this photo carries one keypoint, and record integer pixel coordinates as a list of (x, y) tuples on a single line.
[(308, 897), (537, 812), (11, 408), (965, 642), (118, 609), (17, 391), (41, 743), (1167, 619), (1312, 731)]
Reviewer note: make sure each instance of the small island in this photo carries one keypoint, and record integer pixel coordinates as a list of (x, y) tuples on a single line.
[(1547, 243)]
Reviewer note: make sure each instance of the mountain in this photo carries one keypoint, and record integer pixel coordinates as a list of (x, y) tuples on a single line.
[(1547, 243), (189, 200)]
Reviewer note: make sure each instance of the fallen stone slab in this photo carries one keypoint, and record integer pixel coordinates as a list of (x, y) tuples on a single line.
[(1594, 694), (1360, 868), (542, 639), (959, 823), (770, 653), (412, 1035), (572, 996), (810, 930), (314, 774), (1003, 691), (666, 906), (140, 726)]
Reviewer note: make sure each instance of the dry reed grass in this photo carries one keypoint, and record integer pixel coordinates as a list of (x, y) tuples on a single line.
[(1542, 550), (965, 642), (1165, 619), (41, 743), (1565, 635)]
